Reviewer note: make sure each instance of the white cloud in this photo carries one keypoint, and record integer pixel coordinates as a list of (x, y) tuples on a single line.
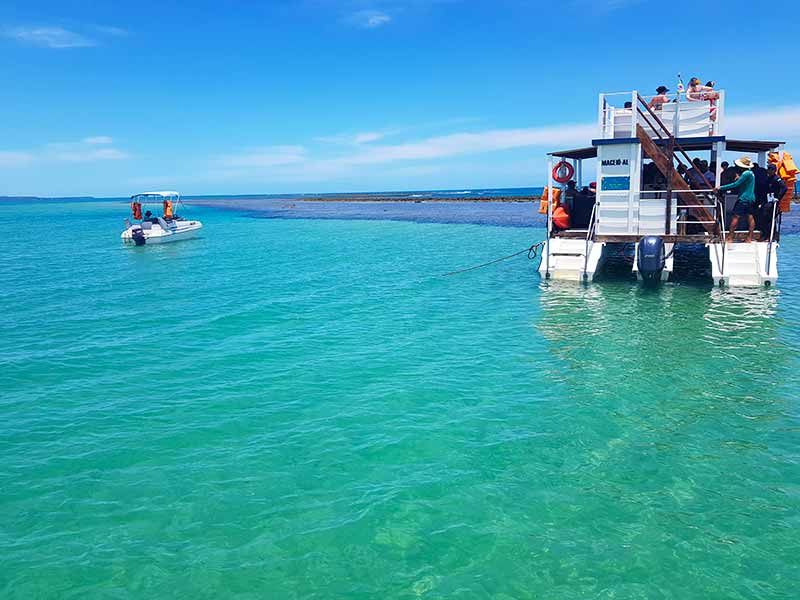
[(353, 139), (472, 143), (270, 156), (50, 37), (98, 139), (90, 149), (369, 19), (15, 159), (77, 153), (780, 123)]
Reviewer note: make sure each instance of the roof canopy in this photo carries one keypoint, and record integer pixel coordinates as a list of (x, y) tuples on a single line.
[(166, 194), (579, 153), (690, 144)]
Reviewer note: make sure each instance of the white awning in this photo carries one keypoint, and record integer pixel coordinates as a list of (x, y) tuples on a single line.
[(165, 194)]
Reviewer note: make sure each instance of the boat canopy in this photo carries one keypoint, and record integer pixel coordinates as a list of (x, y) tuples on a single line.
[(165, 194), (688, 144)]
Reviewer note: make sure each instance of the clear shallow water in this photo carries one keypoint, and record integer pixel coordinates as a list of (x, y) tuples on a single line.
[(299, 409)]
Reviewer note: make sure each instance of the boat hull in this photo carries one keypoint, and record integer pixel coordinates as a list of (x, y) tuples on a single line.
[(182, 230)]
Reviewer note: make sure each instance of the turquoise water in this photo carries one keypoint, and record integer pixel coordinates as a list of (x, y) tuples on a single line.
[(300, 409)]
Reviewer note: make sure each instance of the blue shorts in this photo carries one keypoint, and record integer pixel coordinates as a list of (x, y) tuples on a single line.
[(742, 209)]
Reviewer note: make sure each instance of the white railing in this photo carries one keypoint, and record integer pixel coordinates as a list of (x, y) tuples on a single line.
[(618, 115)]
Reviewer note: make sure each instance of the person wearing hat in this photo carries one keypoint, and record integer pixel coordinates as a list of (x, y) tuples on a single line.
[(745, 184), (658, 101)]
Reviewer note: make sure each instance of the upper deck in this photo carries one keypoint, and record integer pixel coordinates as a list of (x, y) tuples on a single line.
[(683, 118)]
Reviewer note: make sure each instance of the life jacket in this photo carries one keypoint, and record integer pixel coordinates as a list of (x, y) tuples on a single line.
[(788, 164), (167, 209), (546, 197), (136, 208), (561, 217)]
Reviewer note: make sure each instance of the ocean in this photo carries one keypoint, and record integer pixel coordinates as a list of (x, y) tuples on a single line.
[(301, 406)]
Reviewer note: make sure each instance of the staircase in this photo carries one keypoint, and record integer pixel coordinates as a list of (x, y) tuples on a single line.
[(744, 265), (566, 259)]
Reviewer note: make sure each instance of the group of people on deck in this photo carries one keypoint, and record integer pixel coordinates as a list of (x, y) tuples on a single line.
[(696, 92), (759, 192)]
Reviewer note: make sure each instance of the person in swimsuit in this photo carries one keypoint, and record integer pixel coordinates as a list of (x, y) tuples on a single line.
[(661, 99)]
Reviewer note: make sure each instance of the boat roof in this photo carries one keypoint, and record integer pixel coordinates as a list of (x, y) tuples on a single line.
[(164, 194), (688, 144)]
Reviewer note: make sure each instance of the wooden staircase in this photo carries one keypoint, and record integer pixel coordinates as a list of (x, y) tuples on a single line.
[(682, 189)]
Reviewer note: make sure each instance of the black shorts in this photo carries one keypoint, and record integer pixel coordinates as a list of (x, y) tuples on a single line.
[(742, 209)]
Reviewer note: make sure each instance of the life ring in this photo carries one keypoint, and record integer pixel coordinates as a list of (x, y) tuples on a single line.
[(570, 171)]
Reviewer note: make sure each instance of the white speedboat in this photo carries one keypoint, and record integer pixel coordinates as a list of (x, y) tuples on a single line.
[(152, 229)]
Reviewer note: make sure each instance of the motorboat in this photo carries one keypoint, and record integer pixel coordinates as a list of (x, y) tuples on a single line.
[(148, 228)]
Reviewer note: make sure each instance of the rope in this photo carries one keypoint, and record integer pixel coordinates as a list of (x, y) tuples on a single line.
[(533, 252)]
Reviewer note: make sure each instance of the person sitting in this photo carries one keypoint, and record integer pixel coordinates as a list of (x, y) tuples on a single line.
[(711, 174), (694, 176), (656, 102), (745, 185), (569, 195)]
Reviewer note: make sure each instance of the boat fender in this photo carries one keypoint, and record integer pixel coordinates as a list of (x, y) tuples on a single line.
[(563, 172), (651, 258)]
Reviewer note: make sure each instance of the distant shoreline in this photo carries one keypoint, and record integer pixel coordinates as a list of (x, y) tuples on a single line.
[(378, 198)]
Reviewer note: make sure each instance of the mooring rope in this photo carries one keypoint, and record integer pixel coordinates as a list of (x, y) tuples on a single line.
[(533, 252)]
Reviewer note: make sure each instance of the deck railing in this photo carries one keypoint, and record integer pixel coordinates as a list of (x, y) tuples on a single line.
[(617, 117)]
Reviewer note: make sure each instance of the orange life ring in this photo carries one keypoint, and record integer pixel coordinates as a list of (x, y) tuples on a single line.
[(563, 178), (136, 208)]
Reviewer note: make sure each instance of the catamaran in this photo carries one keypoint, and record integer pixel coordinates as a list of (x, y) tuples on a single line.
[(152, 229), (642, 200)]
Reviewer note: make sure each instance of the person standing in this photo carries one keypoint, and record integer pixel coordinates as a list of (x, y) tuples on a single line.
[(776, 189), (745, 205)]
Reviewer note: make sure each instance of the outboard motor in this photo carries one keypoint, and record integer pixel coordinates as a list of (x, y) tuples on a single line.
[(651, 258), (138, 237)]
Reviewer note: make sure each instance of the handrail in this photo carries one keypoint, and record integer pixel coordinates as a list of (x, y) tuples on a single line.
[(771, 235), (720, 206), (589, 235)]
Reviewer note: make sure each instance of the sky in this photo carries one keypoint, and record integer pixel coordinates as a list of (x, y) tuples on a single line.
[(112, 98)]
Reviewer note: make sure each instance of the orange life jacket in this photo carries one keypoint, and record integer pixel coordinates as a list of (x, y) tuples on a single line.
[(546, 197), (167, 209), (561, 218), (136, 208)]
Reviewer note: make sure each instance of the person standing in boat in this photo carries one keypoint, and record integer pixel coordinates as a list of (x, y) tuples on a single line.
[(745, 185)]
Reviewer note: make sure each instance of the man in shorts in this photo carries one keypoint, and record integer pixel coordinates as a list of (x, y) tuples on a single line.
[(745, 185)]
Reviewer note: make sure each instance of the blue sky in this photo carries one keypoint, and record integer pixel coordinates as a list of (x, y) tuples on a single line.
[(108, 99)]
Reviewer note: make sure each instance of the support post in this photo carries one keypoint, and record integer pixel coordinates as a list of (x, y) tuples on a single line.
[(549, 213)]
